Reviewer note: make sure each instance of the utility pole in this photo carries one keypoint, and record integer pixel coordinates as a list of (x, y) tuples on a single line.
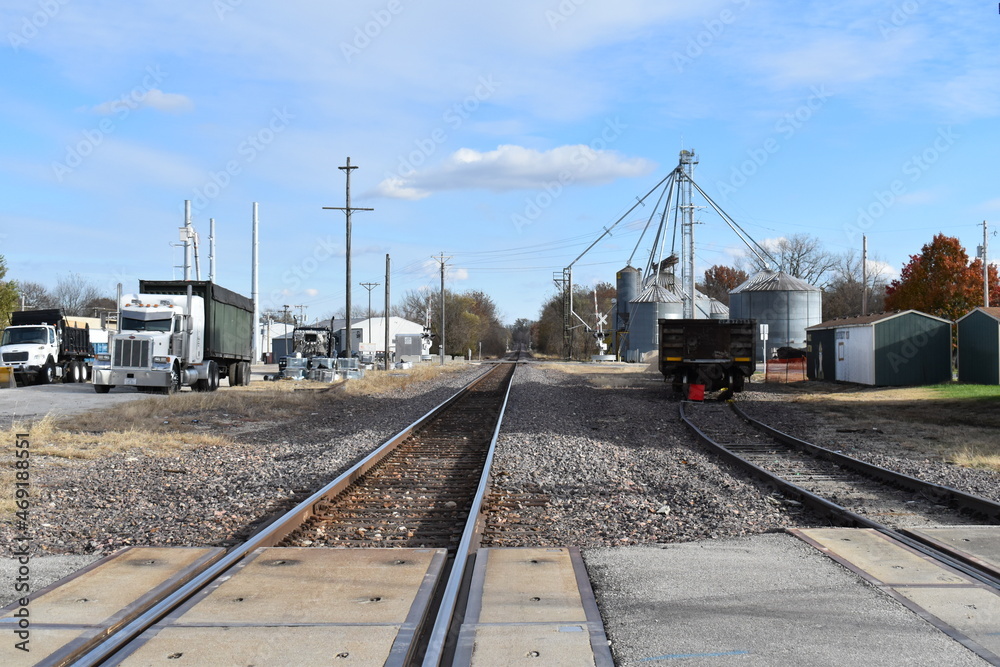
[(442, 259), (286, 307), (302, 313), (348, 210), (387, 312), (370, 287), (986, 268), (864, 275)]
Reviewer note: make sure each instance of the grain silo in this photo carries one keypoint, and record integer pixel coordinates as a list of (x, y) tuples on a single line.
[(654, 303), (628, 280), (785, 304)]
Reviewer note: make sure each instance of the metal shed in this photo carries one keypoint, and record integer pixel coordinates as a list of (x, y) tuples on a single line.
[(885, 350), (979, 346)]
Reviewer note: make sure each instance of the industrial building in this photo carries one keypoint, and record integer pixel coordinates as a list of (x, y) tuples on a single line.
[(783, 305), (907, 348), (979, 346)]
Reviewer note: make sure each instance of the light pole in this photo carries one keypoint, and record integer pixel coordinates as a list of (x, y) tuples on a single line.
[(370, 287)]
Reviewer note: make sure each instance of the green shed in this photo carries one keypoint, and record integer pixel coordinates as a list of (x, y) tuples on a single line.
[(901, 349), (979, 346)]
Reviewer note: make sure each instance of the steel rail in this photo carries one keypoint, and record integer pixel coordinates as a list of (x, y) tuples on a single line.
[(843, 515), (445, 624), (960, 499), (267, 536)]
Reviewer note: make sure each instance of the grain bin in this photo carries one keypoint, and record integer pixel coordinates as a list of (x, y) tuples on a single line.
[(786, 304), (628, 280), (654, 303)]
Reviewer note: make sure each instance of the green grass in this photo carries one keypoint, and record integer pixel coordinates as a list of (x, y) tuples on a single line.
[(957, 391)]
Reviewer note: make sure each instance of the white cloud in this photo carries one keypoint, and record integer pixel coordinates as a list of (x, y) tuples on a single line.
[(153, 99), (516, 168), (882, 269)]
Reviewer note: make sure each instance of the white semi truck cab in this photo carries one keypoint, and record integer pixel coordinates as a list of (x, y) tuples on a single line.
[(158, 345), (166, 341)]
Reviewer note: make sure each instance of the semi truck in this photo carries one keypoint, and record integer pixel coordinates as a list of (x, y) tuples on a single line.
[(178, 333), (43, 346)]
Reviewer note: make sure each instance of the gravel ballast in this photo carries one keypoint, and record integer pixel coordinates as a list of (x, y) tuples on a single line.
[(578, 464), (214, 496)]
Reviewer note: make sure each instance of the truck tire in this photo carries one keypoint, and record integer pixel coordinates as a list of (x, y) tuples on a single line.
[(102, 388), (213, 376), (245, 380), (235, 374), (175, 381), (48, 373)]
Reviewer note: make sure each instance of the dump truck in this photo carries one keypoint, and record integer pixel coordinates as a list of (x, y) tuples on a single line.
[(42, 346), (178, 333)]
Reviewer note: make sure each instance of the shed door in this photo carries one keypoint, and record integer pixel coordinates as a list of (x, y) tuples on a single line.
[(855, 355)]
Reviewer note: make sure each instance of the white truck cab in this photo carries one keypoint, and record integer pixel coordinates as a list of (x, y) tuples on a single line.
[(158, 344)]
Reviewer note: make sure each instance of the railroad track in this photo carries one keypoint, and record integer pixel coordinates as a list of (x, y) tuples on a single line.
[(848, 491), (422, 490)]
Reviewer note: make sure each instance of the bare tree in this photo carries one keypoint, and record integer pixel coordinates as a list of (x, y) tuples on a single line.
[(800, 256), (35, 296), (415, 305), (72, 293), (842, 296)]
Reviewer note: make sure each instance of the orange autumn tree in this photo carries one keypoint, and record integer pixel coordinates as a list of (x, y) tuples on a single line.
[(941, 281)]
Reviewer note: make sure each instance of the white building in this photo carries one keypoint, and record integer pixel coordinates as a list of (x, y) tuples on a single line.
[(373, 332)]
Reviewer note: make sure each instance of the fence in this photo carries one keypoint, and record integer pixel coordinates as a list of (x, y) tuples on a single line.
[(785, 370)]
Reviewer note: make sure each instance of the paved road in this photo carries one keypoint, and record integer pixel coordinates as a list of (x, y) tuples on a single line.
[(33, 402)]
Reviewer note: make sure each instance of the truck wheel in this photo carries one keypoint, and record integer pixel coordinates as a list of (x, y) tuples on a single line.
[(245, 380), (235, 371), (213, 376), (48, 373), (175, 381), (102, 388)]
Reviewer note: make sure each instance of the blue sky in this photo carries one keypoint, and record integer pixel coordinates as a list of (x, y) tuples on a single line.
[(505, 135)]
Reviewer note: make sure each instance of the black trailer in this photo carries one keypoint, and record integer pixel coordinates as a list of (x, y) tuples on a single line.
[(716, 354)]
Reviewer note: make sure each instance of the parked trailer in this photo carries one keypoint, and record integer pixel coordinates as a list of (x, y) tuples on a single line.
[(42, 345), (178, 333), (717, 354)]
